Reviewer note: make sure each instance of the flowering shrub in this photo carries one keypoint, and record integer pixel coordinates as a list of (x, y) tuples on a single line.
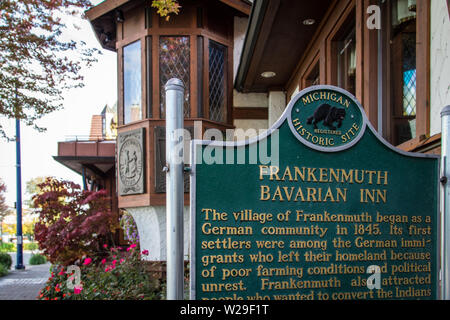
[(129, 227), (72, 222), (120, 276)]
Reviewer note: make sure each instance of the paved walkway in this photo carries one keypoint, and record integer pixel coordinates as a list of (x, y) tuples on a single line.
[(24, 284)]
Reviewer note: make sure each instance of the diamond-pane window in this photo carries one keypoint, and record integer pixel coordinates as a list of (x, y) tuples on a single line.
[(174, 62), (409, 74), (217, 54)]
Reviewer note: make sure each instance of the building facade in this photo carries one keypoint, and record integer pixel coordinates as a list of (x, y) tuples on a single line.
[(242, 61)]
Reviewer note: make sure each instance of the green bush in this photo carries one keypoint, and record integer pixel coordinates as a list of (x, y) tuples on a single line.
[(3, 270), (30, 246), (5, 260), (7, 247), (37, 259)]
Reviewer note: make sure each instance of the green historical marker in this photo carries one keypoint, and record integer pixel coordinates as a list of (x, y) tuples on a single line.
[(320, 207)]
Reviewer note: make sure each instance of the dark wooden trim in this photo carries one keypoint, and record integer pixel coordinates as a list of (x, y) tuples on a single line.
[(193, 76), (259, 113), (155, 67), (238, 5), (360, 27), (319, 42), (120, 97), (386, 71), (370, 68), (85, 159), (229, 84), (95, 170), (304, 83), (143, 41), (418, 144), (103, 8), (149, 76), (423, 68), (200, 74), (251, 38), (264, 32), (206, 78)]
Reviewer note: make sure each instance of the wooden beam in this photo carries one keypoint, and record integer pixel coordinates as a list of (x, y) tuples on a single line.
[(423, 68), (260, 45), (103, 8), (370, 67), (251, 113), (238, 5)]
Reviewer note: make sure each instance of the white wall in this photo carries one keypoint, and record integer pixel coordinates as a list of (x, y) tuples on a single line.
[(440, 63), (151, 225), (248, 100)]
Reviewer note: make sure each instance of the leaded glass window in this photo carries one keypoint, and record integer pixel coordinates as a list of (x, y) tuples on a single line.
[(132, 91), (174, 62), (347, 62), (217, 88), (409, 74)]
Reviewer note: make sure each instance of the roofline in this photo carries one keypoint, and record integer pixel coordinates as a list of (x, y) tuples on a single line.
[(103, 8), (106, 6), (256, 19)]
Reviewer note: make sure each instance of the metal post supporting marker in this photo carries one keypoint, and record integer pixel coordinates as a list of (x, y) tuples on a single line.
[(445, 210), (174, 188)]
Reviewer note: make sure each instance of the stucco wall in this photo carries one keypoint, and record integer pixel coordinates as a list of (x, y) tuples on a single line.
[(440, 62), (151, 224), (248, 100)]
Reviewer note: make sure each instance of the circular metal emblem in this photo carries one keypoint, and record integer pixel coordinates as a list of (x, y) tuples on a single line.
[(130, 162), (326, 118)]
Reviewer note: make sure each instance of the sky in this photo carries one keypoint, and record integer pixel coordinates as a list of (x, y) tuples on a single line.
[(38, 149)]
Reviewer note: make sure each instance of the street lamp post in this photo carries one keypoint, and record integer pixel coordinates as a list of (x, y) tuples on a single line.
[(19, 260)]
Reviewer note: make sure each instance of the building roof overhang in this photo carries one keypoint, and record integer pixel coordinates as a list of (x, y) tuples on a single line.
[(95, 158), (103, 17), (276, 40)]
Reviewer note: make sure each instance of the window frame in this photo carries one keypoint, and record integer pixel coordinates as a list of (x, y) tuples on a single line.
[(422, 79), (122, 81), (211, 43)]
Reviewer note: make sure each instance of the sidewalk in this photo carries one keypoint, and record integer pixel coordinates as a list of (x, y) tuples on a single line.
[(24, 284)]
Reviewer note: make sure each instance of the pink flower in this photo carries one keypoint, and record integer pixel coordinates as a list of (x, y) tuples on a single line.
[(114, 262), (103, 261), (145, 252), (105, 246), (133, 246), (77, 289), (87, 261), (122, 260), (61, 272)]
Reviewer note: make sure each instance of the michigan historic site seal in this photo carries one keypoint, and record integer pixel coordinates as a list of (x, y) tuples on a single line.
[(327, 118)]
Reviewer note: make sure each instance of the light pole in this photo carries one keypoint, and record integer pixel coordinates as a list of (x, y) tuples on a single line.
[(19, 260)]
